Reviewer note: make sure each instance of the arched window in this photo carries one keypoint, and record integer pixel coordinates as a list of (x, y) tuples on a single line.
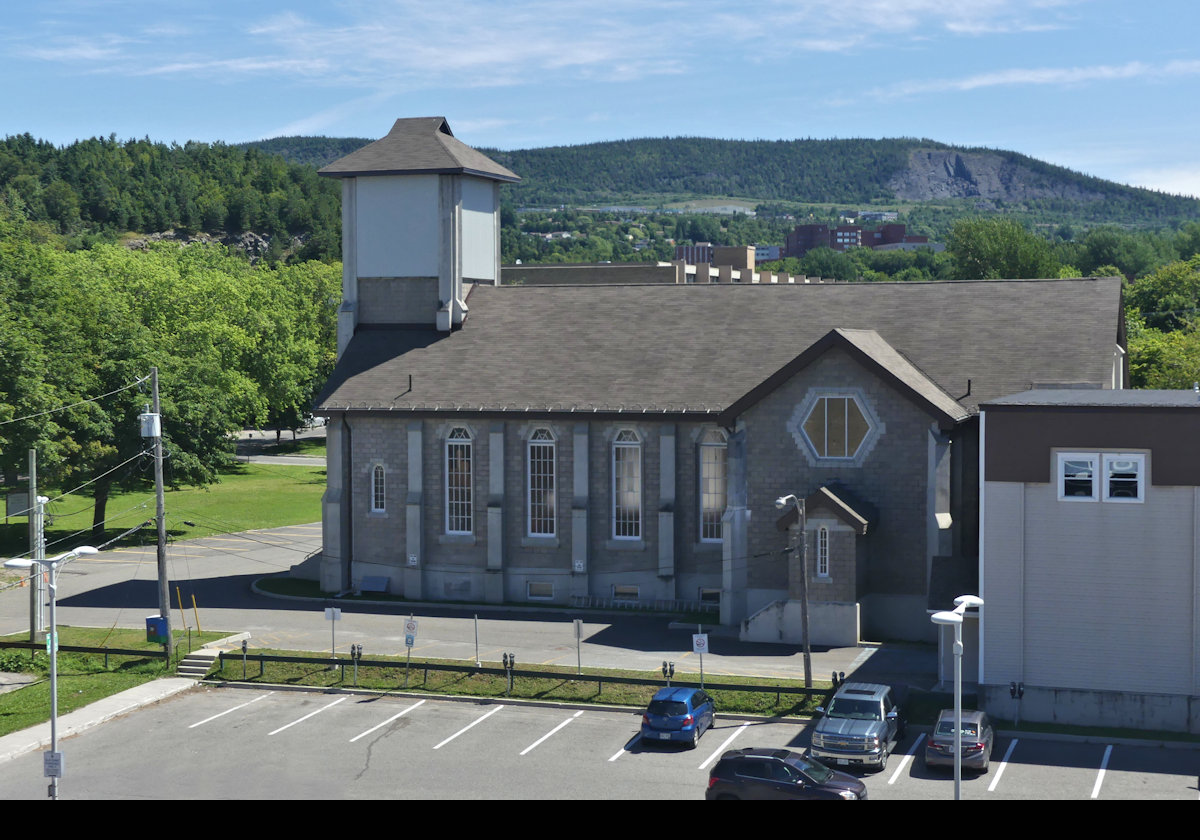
[(378, 489), (822, 552), (713, 448), (627, 485), (459, 509), (541, 483)]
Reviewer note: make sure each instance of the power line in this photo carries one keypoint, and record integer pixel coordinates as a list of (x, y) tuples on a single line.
[(74, 405)]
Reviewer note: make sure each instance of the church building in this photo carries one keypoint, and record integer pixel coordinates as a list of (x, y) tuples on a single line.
[(612, 444)]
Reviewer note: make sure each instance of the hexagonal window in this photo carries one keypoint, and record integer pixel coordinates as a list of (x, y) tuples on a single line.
[(836, 427)]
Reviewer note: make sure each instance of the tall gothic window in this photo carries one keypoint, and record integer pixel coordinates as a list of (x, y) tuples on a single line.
[(713, 449), (541, 484), (627, 485), (458, 482)]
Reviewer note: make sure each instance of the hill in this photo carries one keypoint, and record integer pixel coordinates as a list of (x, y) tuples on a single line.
[(852, 172)]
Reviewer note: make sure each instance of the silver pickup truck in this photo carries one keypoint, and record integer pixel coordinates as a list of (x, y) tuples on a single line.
[(861, 727)]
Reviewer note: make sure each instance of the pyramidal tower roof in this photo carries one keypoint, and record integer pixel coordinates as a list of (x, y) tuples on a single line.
[(418, 145)]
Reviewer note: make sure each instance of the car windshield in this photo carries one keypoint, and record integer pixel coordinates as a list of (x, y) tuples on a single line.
[(668, 708), (842, 707), (946, 727), (814, 770)]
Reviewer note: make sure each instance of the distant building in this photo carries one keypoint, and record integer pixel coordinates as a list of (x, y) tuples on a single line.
[(804, 238)]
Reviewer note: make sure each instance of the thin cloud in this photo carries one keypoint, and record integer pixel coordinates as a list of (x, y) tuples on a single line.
[(1056, 76)]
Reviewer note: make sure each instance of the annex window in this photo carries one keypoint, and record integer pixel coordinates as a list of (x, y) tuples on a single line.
[(836, 427), (1095, 476), (541, 483), (458, 482), (1124, 478), (627, 485), (713, 449), (822, 552), (626, 592), (1077, 476), (378, 489)]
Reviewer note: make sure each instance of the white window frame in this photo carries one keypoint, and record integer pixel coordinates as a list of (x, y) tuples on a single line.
[(627, 482), (820, 449), (378, 489), (1111, 459), (1092, 458), (540, 463), (714, 471), (1102, 466), (822, 552), (459, 497)]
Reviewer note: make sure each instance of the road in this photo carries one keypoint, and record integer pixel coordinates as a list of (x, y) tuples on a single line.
[(117, 588)]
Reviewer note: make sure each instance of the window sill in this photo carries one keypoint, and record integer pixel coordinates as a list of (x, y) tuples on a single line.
[(456, 539), (625, 545)]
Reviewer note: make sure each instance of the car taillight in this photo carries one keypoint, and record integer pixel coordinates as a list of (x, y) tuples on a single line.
[(972, 747), (712, 780), (645, 718), (689, 720)]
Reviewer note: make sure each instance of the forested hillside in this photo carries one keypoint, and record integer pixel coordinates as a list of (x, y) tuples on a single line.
[(95, 189)]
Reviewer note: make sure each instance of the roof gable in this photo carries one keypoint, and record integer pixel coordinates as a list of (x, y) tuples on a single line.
[(870, 350)]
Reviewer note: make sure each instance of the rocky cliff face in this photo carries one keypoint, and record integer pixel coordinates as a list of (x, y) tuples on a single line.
[(940, 173)]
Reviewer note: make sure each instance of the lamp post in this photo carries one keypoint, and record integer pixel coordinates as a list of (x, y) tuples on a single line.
[(781, 503), (954, 618), (52, 762)]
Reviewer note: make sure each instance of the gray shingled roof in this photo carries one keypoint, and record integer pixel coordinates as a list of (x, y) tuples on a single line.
[(1059, 398), (419, 145), (703, 348)]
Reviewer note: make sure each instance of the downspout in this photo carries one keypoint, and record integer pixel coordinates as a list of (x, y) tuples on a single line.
[(347, 505)]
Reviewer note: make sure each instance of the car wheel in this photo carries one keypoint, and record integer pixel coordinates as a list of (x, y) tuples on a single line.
[(695, 738), (883, 759)]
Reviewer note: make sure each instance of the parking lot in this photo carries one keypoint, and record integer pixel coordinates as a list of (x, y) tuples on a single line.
[(239, 743)]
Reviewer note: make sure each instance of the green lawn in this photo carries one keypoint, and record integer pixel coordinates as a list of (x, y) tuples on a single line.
[(248, 496), (82, 678)]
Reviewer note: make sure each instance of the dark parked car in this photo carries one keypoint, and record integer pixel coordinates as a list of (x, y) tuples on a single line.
[(778, 774), (977, 739), (678, 714), (860, 728)]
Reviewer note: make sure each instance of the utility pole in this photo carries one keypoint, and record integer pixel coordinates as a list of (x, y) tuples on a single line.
[(164, 589), (37, 546)]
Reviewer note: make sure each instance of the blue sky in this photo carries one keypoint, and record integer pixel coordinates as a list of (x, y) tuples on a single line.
[(1105, 87)]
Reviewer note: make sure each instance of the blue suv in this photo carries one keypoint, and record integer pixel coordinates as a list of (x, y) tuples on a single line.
[(678, 714)]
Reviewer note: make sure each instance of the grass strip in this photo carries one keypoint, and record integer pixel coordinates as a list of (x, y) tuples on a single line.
[(559, 684)]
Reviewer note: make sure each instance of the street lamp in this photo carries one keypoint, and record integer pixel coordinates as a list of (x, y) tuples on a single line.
[(52, 761), (781, 503), (954, 618)]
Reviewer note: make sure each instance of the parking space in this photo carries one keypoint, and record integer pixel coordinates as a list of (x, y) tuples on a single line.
[(225, 743)]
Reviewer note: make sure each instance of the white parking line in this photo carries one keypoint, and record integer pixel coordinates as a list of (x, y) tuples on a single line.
[(234, 709), (628, 746), (468, 726), (1003, 763), (386, 722), (907, 758), (721, 749), (1103, 767), (307, 716), (551, 732)]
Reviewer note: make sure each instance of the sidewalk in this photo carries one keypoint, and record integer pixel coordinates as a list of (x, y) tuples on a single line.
[(38, 737)]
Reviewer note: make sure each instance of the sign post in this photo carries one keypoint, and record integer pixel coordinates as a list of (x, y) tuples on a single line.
[(699, 646)]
